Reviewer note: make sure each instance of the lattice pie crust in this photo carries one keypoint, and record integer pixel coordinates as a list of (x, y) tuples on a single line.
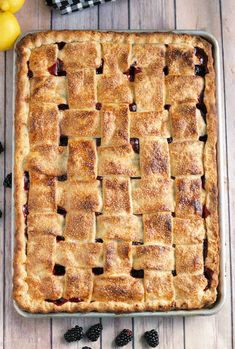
[(115, 173)]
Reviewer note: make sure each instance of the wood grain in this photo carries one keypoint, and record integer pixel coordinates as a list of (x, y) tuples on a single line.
[(2, 195), (86, 19), (152, 14), (190, 333), (114, 15), (20, 333), (227, 12)]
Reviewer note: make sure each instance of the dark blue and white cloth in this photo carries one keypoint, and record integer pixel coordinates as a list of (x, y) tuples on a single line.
[(69, 6)]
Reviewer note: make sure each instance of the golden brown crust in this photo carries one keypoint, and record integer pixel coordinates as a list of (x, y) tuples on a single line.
[(169, 243)]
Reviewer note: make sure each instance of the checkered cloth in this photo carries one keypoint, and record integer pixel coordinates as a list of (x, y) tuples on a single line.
[(68, 6)]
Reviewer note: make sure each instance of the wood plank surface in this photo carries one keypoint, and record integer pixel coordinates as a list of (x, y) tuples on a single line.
[(19, 332), (152, 14), (227, 12), (215, 332), (2, 194)]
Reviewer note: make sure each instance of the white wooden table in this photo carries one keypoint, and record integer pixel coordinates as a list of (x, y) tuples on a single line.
[(215, 332)]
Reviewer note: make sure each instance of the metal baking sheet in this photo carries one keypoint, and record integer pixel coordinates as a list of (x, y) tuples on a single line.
[(220, 161)]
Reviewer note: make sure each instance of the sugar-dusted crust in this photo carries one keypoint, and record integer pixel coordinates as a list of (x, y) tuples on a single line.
[(193, 200)]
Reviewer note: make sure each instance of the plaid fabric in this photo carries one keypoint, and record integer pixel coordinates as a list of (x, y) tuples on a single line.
[(69, 6)]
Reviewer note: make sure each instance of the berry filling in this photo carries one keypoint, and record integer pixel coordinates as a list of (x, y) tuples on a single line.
[(201, 69), (132, 71), (63, 106), (97, 271), (99, 178), (136, 243), (62, 178), (75, 300), (201, 106), (59, 238), (205, 212), (201, 99), (139, 274), (100, 69), (98, 213), (99, 241), (205, 248), (63, 141), (25, 210), (203, 138), (61, 45), (57, 69), (208, 273), (166, 70), (98, 142), (135, 144), (98, 106), (57, 302), (62, 211), (58, 270), (26, 181), (167, 106), (203, 181), (173, 272), (30, 73), (133, 107), (170, 140)]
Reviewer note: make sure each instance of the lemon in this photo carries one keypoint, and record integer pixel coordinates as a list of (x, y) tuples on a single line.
[(11, 5), (9, 30)]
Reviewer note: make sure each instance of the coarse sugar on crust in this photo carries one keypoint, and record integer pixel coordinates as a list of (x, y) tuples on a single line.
[(115, 175)]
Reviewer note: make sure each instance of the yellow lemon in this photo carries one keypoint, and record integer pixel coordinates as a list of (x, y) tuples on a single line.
[(11, 5), (9, 30)]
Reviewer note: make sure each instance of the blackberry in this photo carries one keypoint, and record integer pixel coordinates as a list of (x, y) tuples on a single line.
[(123, 338), (74, 334), (152, 338), (62, 178), (8, 181), (63, 106), (94, 332), (86, 348)]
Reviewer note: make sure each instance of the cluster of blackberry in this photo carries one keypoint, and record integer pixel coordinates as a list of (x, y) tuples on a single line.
[(76, 333), (123, 338)]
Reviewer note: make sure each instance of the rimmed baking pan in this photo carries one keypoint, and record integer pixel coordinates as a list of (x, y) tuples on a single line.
[(220, 161)]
